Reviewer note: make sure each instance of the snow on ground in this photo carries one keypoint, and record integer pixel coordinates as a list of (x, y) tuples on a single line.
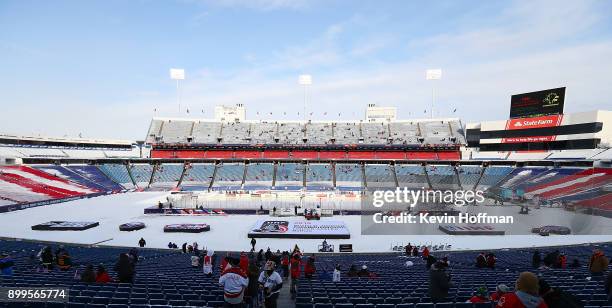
[(227, 232)]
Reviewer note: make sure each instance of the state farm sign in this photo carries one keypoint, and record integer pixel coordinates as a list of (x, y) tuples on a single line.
[(537, 122)]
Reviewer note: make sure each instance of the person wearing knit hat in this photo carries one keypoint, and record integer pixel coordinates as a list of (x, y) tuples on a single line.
[(499, 292), (480, 296), (526, 294)]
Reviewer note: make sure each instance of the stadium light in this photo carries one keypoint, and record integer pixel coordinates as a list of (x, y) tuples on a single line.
[(177, 74), (433, 74), (305, 80)]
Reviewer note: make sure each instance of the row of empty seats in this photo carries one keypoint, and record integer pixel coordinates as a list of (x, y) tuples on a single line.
[(320, 133)]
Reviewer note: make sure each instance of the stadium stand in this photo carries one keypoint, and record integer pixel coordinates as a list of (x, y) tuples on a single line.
[(259, 176), (167, 175), (349, 176), (141, 174), (118, 173), (197, 176), (229, 176), (289, 176), (166, 278), (319, 176)]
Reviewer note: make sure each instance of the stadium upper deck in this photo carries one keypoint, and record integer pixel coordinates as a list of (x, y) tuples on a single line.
[(416, 133)]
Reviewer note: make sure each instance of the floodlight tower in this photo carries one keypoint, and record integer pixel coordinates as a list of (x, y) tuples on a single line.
[(305, 80), (433, 74), (177, 74)]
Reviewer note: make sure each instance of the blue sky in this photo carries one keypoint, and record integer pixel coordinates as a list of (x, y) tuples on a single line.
[(100, 68)]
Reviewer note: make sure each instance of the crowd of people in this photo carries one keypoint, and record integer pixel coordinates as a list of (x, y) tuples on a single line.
[(254, 279)]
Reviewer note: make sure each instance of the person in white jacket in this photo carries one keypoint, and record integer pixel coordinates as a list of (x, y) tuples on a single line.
[(336, 276), (271, 283), (207, 266), (234, 281)]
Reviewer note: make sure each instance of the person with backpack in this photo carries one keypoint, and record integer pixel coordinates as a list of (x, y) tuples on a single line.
[(271, 283)]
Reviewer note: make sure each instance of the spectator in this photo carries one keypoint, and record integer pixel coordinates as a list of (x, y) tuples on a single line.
[(64, 261), (102, 276), (234, 282), (415, 251), (429, 261), (271, 282), (536, 259), (598, 263), (364, 271), (337, 274), (481, 260), (408, 249), (207, 266), (552, 259), (425, 252), (253, 242), (439, 282), (445, 261), (125, 269), (142, 242), (557, 298), (184, 247), (562, 261), (285, 264), (479, 297), (353, 271), (6, 265), (195, 261), (244, 262), (170, 245), (252, 290), (499, 292), (310, 268), (491, 260), (189, 249), (46, 257), (526, 294), (133, 254), (88, 275), (296, 263)]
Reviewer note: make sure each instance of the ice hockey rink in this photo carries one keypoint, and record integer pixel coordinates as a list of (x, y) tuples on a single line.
[(228, 233)]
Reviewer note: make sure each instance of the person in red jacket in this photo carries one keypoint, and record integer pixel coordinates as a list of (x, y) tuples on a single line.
[(296, 263), (480, 297), (309, 268), (562, 261), (102, 276), (499, 292), (285, 264), (425, 252), (244, 262), (526, 294)]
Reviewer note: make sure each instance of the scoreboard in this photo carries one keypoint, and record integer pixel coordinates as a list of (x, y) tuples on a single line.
[(535, 104)]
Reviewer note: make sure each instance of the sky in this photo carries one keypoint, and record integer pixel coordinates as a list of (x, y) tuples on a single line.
[(100, 69)]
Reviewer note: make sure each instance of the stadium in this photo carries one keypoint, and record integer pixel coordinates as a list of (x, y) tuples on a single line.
[(380, 211)]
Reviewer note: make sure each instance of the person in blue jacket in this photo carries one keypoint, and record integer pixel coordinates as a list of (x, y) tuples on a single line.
[(6, 265)]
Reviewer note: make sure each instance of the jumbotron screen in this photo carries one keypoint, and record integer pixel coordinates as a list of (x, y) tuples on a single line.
[(538, 103)]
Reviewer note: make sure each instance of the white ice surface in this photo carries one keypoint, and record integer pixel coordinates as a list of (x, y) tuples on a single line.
[(227, 233)]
